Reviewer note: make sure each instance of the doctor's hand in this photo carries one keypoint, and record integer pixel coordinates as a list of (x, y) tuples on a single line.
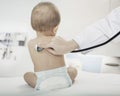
[(59, 46)]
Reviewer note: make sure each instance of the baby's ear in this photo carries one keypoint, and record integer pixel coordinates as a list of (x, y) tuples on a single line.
[(55, 29)]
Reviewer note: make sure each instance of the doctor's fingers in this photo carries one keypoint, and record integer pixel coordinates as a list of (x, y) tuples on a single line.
[(52, 51), (43, 44), (58, 40), (53, 43)]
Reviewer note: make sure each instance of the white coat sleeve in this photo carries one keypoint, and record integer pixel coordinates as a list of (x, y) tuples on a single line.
[(100, 31)]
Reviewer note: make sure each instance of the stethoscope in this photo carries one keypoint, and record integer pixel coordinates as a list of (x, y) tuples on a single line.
[(96, 46), (39, 49)]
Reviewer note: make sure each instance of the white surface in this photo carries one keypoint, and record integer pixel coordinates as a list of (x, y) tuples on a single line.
[(111, 69), (111, 49), (87, 84), (91, 63)]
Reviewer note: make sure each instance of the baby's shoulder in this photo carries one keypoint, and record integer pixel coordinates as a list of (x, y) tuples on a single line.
[(31, 42)]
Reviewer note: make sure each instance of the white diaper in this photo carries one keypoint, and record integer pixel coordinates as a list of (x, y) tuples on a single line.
[(53, 79)]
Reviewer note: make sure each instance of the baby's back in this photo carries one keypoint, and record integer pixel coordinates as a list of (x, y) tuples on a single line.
[(44, 60)]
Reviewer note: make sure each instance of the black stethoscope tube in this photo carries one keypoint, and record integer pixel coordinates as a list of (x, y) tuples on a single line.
[(95, 46)]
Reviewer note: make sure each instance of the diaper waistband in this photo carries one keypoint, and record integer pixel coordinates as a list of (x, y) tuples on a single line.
[(51, 71)]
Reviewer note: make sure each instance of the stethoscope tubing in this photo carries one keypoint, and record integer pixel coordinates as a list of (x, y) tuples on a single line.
[(98, 45)]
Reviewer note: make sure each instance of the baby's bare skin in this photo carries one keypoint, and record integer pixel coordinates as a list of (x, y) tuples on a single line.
[(44, 60)]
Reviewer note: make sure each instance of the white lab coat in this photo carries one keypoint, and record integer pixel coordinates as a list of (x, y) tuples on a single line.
[(100, 31)]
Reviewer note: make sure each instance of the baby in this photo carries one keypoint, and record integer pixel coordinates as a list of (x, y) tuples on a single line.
[(50, 70)]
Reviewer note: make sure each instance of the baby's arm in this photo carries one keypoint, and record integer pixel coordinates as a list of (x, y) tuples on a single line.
[(30, 77)]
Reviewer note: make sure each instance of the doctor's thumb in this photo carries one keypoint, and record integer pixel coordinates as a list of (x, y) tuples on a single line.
[(43, 45)]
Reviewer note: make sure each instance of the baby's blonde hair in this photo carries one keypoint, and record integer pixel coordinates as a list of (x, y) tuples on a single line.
[(45, 16)]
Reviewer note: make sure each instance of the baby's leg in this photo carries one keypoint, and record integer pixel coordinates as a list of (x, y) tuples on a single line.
[(30, 78), (72, 73)]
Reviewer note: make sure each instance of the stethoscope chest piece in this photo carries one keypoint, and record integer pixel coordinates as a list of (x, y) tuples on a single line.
[(38, 49)]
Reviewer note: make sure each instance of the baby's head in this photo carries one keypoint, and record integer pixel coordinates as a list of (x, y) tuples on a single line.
[(45, 17)]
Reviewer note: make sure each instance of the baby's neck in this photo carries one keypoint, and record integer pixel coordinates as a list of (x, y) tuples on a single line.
[(43, 38), (45, 34), (39, 34)]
